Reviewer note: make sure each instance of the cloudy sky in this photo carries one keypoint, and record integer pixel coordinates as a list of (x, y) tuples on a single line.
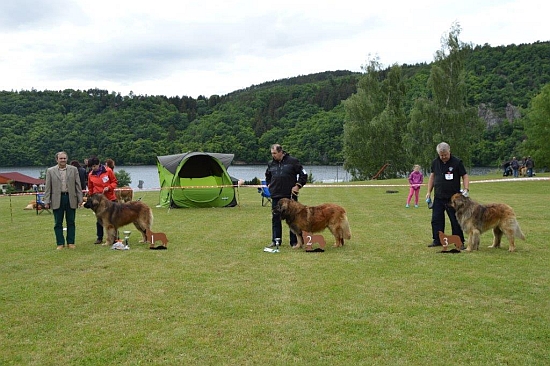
[(182, 47)]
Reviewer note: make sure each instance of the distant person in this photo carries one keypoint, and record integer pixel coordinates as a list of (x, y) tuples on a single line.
[(101, 180), (110, 163), (507, 169), (87, 167), (522, 167), (63, 194), (415, 182), (284, 178), (81, 174), (529, 164), (515, 167), (446, 171)]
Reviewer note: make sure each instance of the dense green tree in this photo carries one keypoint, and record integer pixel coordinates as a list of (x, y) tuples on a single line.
[(499, 144), (304, 113), (318, 137), (537, 129), (374, 124), (507, 74), (444, 115), (123, 178)]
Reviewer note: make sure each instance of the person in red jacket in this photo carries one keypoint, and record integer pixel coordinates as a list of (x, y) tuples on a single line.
[(101, 180)]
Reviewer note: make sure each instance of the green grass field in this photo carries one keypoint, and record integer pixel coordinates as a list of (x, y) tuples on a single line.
[(215, 298)]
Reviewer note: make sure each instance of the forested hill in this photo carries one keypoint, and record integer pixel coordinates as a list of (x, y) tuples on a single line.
[(304, 113)]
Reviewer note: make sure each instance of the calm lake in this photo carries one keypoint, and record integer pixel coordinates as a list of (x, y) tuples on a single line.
[(149, 173)]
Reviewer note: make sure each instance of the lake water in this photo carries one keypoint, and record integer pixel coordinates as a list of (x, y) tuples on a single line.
[(149, 173)]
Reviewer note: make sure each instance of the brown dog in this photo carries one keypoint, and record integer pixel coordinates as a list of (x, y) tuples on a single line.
[(153, 237), (475, 219), (113, 215), (447, 240), (310, 239), (314, 219), (124, 194), (523, 171)]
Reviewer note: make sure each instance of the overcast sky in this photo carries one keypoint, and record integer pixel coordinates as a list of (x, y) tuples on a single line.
[(181, 47)]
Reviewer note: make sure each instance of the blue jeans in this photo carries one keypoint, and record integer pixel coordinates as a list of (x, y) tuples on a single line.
[(438, 219), (277, 225)]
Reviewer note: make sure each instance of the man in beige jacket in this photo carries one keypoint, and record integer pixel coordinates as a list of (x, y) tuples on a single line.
[(63, 194)]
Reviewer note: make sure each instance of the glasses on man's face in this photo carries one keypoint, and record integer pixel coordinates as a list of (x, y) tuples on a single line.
[(61, 158)]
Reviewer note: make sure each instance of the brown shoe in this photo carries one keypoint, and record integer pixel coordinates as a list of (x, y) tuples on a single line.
[(71, 246), (98, 241), (60, 247)]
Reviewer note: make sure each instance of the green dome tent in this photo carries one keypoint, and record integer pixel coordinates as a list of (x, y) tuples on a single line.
[(196, 179)]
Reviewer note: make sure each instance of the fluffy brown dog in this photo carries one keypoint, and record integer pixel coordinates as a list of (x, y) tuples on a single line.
[(114, 215), (314, 219), (475, 219)]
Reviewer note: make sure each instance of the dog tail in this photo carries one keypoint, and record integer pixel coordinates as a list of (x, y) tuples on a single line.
[(518, 233), (346, 230), (151, 218)]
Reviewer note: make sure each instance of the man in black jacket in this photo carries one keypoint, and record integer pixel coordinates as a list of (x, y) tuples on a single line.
[(284, 178), (446, 172)]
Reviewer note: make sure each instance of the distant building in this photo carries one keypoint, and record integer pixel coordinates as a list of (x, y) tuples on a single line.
[(20, 182)]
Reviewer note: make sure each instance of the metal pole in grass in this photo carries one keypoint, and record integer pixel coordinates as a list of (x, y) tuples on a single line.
[(238, 195), (11, 209), (36, 198)]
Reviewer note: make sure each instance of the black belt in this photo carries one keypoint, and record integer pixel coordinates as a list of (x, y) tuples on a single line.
[(64, 193)]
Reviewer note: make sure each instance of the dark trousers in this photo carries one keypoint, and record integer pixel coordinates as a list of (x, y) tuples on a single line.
[(99, 230), (438, 220), (277, 225), (64, 212)]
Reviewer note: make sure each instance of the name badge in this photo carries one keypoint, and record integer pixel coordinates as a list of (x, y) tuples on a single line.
[(449, 176), (105, 179)]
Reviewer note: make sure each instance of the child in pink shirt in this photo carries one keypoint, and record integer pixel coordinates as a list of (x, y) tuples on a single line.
[(415, 180)]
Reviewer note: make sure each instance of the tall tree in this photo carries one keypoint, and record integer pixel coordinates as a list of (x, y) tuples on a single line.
[(374, 124), (537, 129), (444, 115)]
